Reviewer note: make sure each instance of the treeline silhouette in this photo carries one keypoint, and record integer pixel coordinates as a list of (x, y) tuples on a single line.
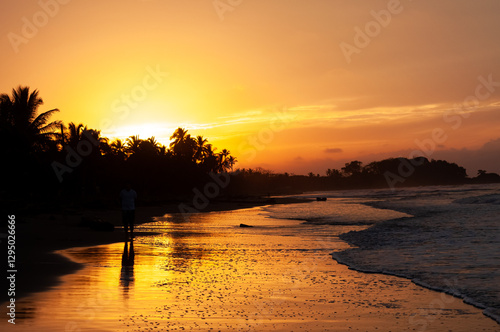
[(49, 165), (388, 173)]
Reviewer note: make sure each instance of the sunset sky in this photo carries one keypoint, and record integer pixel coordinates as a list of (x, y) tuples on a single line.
[(288, 85)]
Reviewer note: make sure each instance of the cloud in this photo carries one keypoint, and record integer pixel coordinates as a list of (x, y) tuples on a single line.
[(333, 150), (493, 145)]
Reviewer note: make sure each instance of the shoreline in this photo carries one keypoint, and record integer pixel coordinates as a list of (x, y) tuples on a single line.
[(203, 276), (259, 283), (351, 239), (40, 236), (419, 283)]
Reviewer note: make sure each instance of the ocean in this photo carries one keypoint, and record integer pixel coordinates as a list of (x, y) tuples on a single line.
[(449, 239), (204, 272), (450, 243)]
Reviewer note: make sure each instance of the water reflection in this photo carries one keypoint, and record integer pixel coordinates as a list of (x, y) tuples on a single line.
[(127, 271), (212, 274)]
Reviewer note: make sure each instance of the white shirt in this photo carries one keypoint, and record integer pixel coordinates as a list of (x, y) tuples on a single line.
[(128, 199)]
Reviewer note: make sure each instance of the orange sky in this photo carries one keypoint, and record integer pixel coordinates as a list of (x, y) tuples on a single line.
[(288, 85)]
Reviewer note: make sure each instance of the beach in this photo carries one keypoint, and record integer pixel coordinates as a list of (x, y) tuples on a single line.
[(286, 165), (207, 273), (42, 234)]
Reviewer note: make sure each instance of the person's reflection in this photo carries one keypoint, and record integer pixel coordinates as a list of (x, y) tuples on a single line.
[(127, 272)]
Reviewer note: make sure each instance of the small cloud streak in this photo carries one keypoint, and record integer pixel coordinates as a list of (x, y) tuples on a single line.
[(333, 150)]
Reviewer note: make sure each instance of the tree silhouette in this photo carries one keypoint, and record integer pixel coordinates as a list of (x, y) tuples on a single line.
[(231, 162), (334, 173), (154, 143), (28, 139), (149, 147), (132, 145), (118, 149), (88, 165), (225, 162), (19, 118), (201, 148), (183, 145), (74, 134), (92, 167), (178, 136), (210, 160), (95, 136), (354, 167)]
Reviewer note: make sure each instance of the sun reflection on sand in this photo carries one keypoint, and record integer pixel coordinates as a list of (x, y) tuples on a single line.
[(210, 273)]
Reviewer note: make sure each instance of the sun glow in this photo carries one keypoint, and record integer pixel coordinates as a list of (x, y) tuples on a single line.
[(161, 131)]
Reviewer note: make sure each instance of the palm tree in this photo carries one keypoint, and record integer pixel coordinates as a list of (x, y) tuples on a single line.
[(210, 150), (178, 136), (27, 137), (224, 161), (200, 148), (210, 161), (183, 146), (132, 144), (334, 173), (164, 151), (231, 162), (222, 158), (154, 144), (103, 142), (153, 141), (75, 133), (18, 116), (150, 147), (118, 149)]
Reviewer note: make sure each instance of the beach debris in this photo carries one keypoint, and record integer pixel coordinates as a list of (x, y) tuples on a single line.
[(245, 225)]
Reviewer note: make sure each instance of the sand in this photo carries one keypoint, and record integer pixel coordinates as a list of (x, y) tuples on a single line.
[(39, 236), (212, 275)]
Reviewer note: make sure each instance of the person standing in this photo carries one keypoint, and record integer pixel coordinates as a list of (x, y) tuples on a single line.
[(128, 197)]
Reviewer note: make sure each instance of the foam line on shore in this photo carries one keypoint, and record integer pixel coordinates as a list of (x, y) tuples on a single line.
[(487, 311)]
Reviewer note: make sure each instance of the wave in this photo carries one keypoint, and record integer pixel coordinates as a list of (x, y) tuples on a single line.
[(450, 244), (484, 199), (321, 221), (444, 238), (491, 312)]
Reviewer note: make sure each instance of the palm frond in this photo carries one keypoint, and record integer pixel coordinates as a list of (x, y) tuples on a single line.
[(42, 118), (51, 127)]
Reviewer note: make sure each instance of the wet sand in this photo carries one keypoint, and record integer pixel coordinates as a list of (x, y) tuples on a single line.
[(211, 274), (39, 236)]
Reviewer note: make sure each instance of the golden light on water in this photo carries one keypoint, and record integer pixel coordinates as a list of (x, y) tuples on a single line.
[(269, 81), (209, 273)]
